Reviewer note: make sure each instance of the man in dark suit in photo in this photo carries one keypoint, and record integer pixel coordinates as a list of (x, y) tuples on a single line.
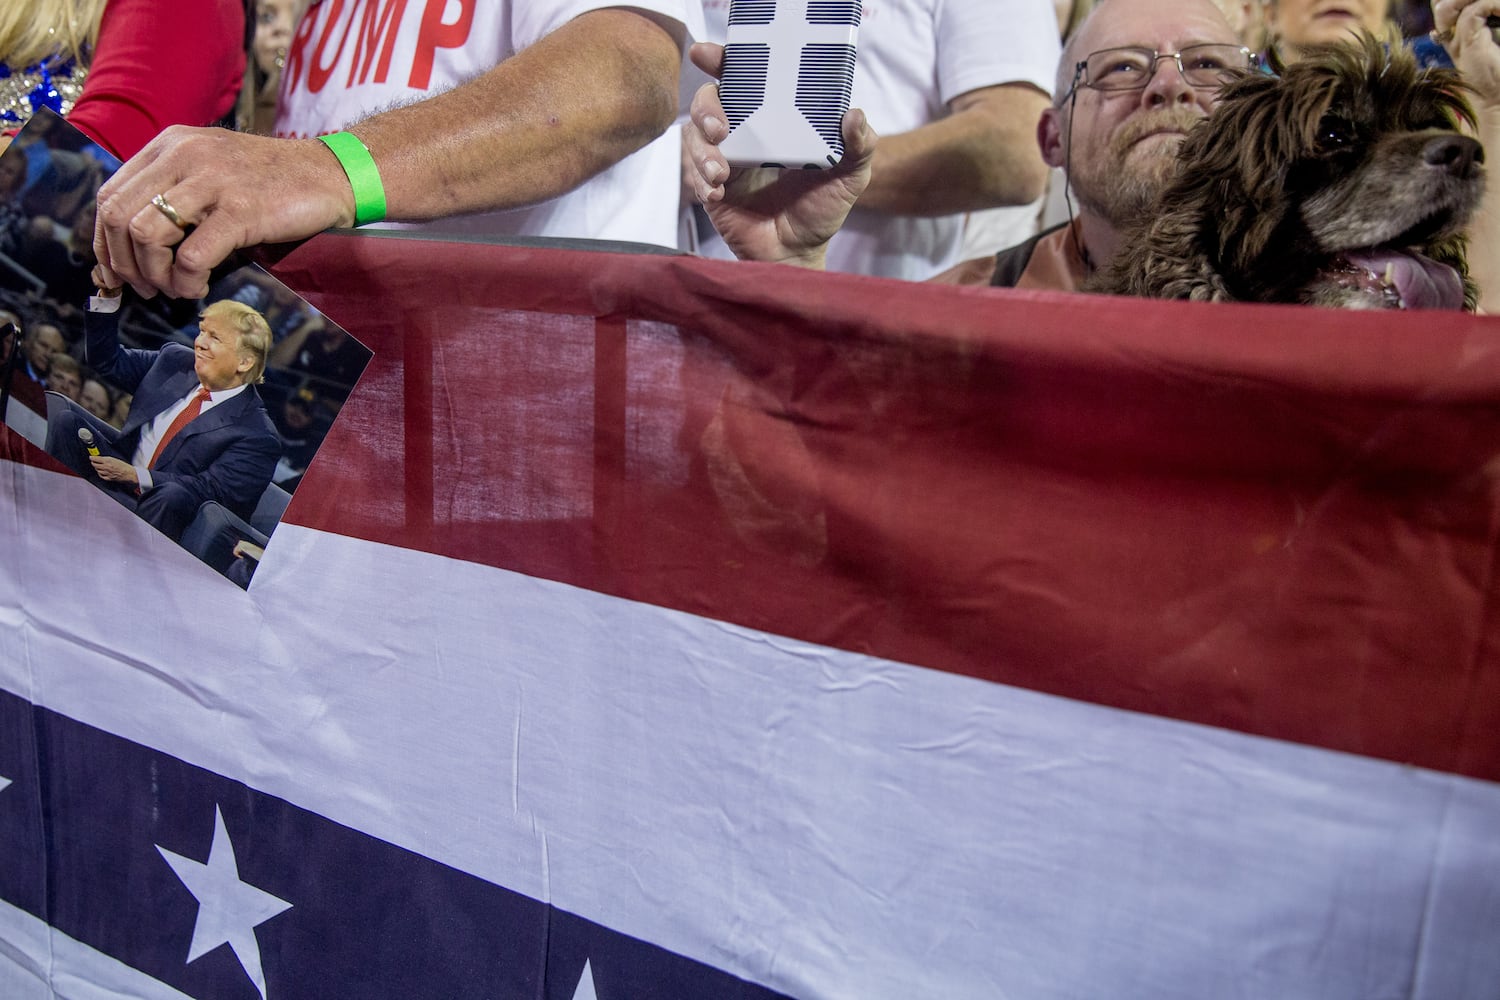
[(197, 429)]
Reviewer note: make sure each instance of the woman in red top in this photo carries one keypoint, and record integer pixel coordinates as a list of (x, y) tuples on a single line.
[(121, 70)]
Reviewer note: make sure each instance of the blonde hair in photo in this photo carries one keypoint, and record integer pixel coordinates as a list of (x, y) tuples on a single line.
[(32, 30), (254, 333)]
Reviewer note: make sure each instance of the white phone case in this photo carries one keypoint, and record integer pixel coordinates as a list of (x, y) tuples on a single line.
[(788, 75)]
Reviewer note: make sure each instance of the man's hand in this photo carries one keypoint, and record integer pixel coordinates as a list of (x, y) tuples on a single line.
[(112, 470), (785, 216), (231, 189)]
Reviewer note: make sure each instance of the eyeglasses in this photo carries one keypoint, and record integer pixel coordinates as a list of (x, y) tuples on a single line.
[(1131, 67)]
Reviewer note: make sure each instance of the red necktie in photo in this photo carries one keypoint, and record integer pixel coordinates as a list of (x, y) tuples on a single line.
[(179, 422)]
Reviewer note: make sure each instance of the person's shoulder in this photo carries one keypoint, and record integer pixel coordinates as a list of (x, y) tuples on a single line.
[(1011, 263), (257, 413), (250, 424), (265, 438)]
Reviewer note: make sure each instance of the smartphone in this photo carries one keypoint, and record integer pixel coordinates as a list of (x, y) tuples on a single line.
[(788, 75)]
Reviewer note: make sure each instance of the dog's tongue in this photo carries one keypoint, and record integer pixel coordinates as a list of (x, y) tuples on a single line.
[(1422, 282)]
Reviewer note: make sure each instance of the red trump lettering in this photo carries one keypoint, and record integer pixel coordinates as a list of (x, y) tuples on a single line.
[(379, 23), (439, 34)]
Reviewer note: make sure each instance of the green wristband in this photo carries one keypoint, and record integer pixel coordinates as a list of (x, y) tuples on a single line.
[(364, 178)]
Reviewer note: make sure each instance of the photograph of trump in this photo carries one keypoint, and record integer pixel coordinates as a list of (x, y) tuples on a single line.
[(196, 430)]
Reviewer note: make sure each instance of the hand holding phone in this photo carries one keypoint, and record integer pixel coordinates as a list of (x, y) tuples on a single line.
[(769, 215), (787, 81)]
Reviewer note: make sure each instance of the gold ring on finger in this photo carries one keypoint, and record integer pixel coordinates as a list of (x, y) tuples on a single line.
[(165, 208)]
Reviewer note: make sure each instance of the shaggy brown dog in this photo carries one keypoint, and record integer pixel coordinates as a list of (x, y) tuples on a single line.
[(1342, 181)]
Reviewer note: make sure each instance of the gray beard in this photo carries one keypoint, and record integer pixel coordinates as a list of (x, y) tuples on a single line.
[(1123, 188), (1122, 197)]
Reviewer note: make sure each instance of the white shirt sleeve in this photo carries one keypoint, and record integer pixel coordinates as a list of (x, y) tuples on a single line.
[(982, 43)]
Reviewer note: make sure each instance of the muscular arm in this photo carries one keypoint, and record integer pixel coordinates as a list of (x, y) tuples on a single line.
[(539, 124), (983, 154)]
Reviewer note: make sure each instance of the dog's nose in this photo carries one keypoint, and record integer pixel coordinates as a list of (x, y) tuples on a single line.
[(1455, 154)]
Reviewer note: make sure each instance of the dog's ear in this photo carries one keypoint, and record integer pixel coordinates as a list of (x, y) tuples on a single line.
[(1244, 133), (1236, 168)]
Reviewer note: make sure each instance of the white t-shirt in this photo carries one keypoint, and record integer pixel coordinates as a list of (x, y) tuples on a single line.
[(351, 58), (914, 56)]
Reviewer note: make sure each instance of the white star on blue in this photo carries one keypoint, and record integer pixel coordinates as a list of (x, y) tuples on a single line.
[(585, 989), (229, 910)]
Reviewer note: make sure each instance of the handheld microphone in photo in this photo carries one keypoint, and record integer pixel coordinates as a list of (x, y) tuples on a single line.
[(86, 438)]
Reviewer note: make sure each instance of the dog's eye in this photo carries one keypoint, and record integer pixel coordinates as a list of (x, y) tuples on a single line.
[(1335, 134)]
